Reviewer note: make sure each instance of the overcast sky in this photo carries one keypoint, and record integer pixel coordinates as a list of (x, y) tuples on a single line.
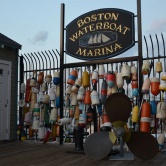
[(35, 24)]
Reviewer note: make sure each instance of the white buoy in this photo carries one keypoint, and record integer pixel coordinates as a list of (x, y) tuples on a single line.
[(41, 132), (81, 94), (64, 121), (126, 71), (54, 115), (94, 97), (46, 99), (35, 123), (101, 71), (73, 99), (161, 110)]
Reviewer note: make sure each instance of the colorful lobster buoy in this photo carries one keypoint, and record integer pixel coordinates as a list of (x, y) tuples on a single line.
[(111, 79), (103, 91), (106, 121), (46, 98), (72, 77), (134, 74), (89, 114), (161, 110), (119, 80), (153, 108), (41, 133), (95, 75), (161, 140), (154, 84), (54, 115), (135, 114), (48, 78), (36, 110), (145, 117), (57, 99), (145, 67), (82, 120), (28, 91), (94, 98), (163, 76), (85, 79), (146, 86), (81, 94), (40, 78), (158, 67), (76, 85), (87, 98), (134, 85), (73, 99), (56, 78), (126, 71), (101, 71)]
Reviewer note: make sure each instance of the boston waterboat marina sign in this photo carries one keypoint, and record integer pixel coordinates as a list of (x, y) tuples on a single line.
[(100, 34)]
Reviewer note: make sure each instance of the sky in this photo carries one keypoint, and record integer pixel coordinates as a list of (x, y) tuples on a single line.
[(35, 24)]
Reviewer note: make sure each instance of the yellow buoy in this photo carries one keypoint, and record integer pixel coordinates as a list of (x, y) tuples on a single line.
[(135, 113), (85, 79)]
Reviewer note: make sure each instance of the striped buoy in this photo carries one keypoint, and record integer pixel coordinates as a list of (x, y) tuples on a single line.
[(40, 78), (135, 114), (126, 71), (56, 78), (57, 99), (145, 67), (146, 86), (76, 85), (85, 79), (87, 98), (36, 110), (134, 74), (103, 91), (72, 77), (158, 67), (145, 117), (48, 78), (95, 75), (106, 121), (81, 93), (101, 71), (111, 79), (161, 110), (82, 120), (154, 84), (54, 115), (134, 86), (94, 98)]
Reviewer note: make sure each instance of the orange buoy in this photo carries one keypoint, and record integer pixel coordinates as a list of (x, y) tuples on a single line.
[(87, 98), (145, 117), (72, 77), (155, 83), (40, 78)]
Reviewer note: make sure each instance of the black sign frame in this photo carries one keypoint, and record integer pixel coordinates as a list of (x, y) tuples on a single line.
[(119, 34)]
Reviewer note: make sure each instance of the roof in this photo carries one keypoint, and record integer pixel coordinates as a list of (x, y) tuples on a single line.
[(4, 40)]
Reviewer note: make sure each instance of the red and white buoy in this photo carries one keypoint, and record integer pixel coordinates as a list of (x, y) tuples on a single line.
[(95, 75), (101, 71)]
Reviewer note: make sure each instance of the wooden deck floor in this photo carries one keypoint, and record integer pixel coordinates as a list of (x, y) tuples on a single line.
[(31, 153)]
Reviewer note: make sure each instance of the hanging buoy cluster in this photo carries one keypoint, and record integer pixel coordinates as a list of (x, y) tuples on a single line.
[(41, 100)]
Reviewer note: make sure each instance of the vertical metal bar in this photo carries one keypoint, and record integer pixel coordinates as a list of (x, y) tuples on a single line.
[(158, 48), (41, 58), (35, 61), (61, 67), (139, 45), (56, 57), (164, 51), (52, 58), (38, 60), (46, 61), (49, 60)]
